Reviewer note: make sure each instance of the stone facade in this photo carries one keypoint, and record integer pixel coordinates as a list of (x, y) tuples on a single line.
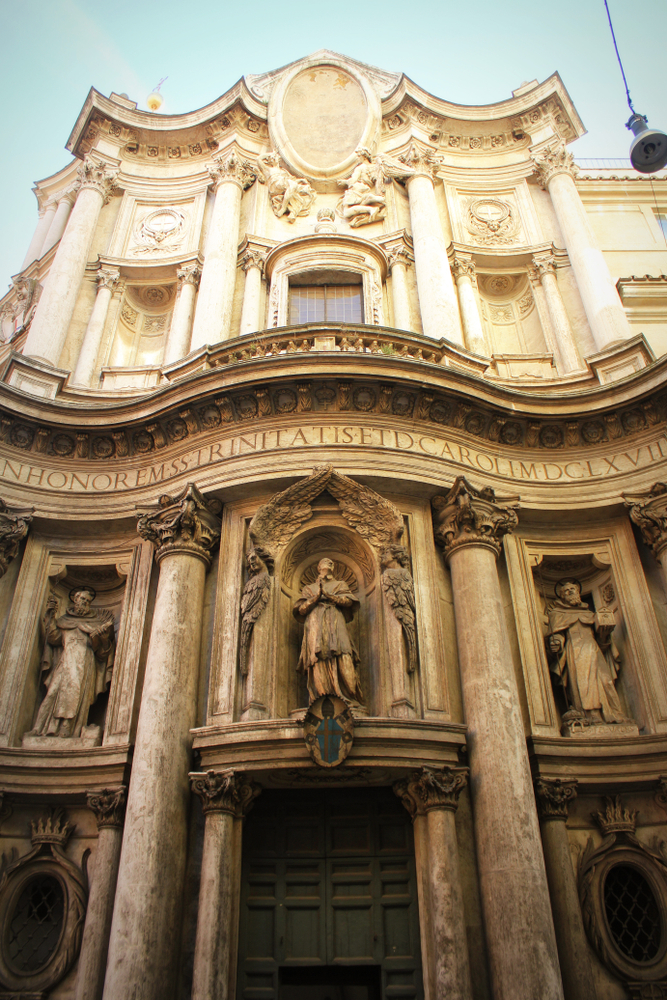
[(332, 464)]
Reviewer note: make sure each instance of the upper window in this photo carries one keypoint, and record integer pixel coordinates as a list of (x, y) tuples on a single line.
[(325, 297), (662, 222)]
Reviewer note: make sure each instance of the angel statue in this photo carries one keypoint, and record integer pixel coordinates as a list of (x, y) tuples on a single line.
[(364, 200), (399, 591), (328, 655), (290, 196), (255, 597)]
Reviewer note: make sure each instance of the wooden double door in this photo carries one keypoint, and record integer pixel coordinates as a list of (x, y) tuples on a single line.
[(328, 901)]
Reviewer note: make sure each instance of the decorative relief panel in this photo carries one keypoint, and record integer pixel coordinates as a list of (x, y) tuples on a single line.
[(492, 222), (159, 232), (152, 230)]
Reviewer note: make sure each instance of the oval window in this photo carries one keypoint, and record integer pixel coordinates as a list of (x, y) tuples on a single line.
[(36, 924), (632, 913)]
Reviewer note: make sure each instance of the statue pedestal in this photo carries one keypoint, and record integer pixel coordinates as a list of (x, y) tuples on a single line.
[(91, 736), (604, 731)]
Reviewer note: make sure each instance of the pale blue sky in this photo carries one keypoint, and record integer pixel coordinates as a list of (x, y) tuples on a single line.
[(473, 52)]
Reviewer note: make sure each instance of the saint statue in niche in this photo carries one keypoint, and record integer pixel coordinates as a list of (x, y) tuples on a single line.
[(583, 657), (76, 664), (328, 656)]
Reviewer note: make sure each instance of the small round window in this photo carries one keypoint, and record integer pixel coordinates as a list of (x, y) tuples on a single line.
[(632, 913), (36, 924)]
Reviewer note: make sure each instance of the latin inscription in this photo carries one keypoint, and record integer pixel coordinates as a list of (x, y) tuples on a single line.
[(432, 445)]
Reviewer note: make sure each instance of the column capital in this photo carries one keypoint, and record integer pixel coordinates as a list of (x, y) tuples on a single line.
[(553, 161), (227, 791), (183, 524), (431, 788), (14, 525), (69, 194), (190, 274), (464, 267), (399, 255), (108, 806), (107, 277), (553, 796), (421, 160), (253, 258), (470, 516), (98, 176), (544, 263), (232, 169), (648, 510)]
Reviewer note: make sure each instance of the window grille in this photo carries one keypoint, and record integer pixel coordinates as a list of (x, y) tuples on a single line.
[(632, 913), (325, 304)]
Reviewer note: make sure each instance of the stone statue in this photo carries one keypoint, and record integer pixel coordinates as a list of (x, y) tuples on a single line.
[(76, 664), (583, 657), (17, 315), (364, 200), (254, 600), (290, 196), (399, 589), (328, 656)]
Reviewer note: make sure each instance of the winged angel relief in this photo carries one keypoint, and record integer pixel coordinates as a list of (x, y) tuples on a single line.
[(328, 655)]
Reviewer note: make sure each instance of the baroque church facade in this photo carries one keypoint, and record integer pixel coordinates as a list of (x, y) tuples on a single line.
[(333, 555)]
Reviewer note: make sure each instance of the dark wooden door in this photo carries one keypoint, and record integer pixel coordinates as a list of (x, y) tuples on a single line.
[(328, 881)]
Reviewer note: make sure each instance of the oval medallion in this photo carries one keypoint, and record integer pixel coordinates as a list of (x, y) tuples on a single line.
[(328, 730)]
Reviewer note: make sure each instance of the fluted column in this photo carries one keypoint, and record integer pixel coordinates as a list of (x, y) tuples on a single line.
[(107, 279), (252, 263), (109, 808), (180, 332), (431, 796), (400, 259), (565, 348), (46, 214), (466, 282), (648, 510), (553, 796), (226, 798), (49, 327), (147, 914), (523, 961), (556, 171), (437, 296), (65, 204), (213, 315)]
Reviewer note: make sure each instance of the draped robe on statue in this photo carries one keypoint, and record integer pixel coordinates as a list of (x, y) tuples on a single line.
[(587, 674), (76, 668), (328, 656)]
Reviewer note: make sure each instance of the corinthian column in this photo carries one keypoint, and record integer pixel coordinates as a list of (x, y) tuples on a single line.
[(109, 808), (565, 349), (46, 214), (230, 177), (553, 797), (226, 798), (648, 510), (400, 259), (49, 327), (180, 332), (252, 263), (431, 796), (147, 914), (437, 295), (65, 204), (556, 171), (523, 961), (466, 282), (85, 366)]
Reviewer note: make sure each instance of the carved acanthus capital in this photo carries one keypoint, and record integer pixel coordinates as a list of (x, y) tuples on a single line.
[(108, 806), (69, 194), (432, 788), (554, 161), (182, 524), (468, 516), (464, 267), (399, 255), (253, 258), (543, 264), (98, 177), (107, 278), (648, 510), (225, 791), (553, 796), (232, 169), (14, 525), (189, 275), (421, 160)]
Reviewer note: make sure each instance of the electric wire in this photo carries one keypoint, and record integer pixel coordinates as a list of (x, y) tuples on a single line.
[(611, 28)]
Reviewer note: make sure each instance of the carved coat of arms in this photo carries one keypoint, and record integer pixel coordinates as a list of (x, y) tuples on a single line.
[(328, 730)]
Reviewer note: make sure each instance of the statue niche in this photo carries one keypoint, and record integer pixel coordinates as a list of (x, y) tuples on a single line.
[(312, 614)]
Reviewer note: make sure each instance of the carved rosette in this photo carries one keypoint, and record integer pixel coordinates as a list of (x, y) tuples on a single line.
[(227, 791), (183, 524), (553, 796), (554, 161), (108, 806), (648, 510), (14, 525), (98, 177), (189, 275), (468, 516), (432, 788), (232, 170)]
